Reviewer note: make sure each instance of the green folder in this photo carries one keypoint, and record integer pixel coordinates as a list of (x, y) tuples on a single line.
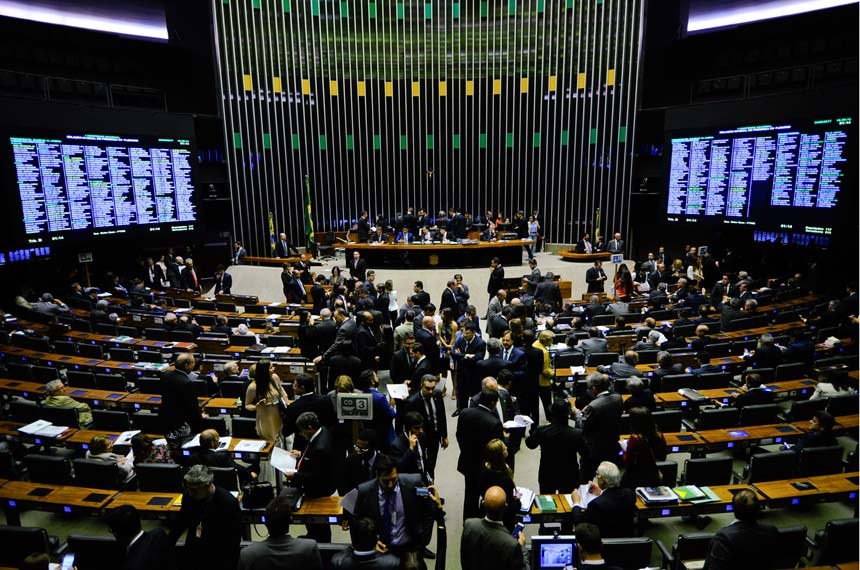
[(688, 493), (709, 496), (546, 503)]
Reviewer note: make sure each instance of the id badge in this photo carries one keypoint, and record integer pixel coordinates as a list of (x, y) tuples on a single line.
[(198, 532)]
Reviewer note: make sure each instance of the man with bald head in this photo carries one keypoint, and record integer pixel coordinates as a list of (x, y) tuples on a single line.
[(486, 543), (179, 412)]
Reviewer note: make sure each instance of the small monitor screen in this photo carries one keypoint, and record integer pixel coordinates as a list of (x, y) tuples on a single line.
[(554, 552)]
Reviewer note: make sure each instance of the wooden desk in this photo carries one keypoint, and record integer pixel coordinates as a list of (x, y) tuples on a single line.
[(269, 261), (141, 401), (791, 388), (441, 254), (49, 359), (135, 343), (11, 429), (839, 487), (81, 439), (149, 505), (746, 334), (724, 492), (572, 255), (222, 406), (323, 510), (562, 512), (729, 438), (18, 496)]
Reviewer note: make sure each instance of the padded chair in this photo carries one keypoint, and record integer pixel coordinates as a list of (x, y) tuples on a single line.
[(245, 428), (204, 305), (717, 418), (122, 354), (627, 553), (113, 382), (791, 545), (226, 477), (109, 420), (60, 416), (44, 374), (790, 371), (836, 543), (127, 331), (774, 466), (95, 552), (255, 309), (148, 385), (106, 328), (24, 411), (804, 409), (10, 468), (668, 421), (674, 382), (739, 346), (328, 550), (218, 423), (570, 359), (824, 460), (684, 331), (81, 325), (282, 340), (201, 389), (708, 471), (232, 389), (20, 542), (19, 370), (242, 340), (720, 349), (602, 358), (81, 379), (760, 414), (226, 307), (842, 405), (181, 336), (98, 474), (66, 347), (669, 471), (51, 469), (147, 423), (648, 356), (693, 546), (713, 381), (205, 320), (159, 477), (150, 356), (767, 374), (156, 334), (90, 351)]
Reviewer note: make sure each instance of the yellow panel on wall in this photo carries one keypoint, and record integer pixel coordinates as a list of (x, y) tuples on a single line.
[(276, 85), (443, 89), (333, 88), (389, 89), (497, 86), (580, 81), (470, 88), (306, 86), (246, 79), (610, 77), (362, 88), (524, 85), (553, 82), (416, 89)]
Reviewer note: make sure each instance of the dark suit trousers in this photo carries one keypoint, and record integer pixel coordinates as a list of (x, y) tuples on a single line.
[(529, 406), (545, 393), (471, 497), (431, 446)]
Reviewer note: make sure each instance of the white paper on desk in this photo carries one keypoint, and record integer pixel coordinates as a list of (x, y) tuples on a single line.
[(125, 437), (585, 497), (349, 500), (250, 445), (182, 310), (224, 443), (104, 295), (34, 427), (577, 370), (398, 391), (518, 422), (195, 442), (527, 497), (52, 431), (623, 444), (283, 461)]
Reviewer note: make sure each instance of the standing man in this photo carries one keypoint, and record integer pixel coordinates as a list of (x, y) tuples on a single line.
[(212, 518), (600, 421), (469, 349), (357, 267), (475, 428), (616, 244), (595, 277), (239, 254), (497, 277), (189, 277), (179, 413), (462, 292), (223, 281), (486, 543), (584, 245), (315, 472), (449, 298), (362, 227), (429, 403), (283, 248)]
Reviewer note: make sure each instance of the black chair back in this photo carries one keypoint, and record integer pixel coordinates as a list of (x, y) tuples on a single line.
[(692, 546), (24, 411), (206, 320), (668, 421), (713, 381), (95, 552), (760, 414), (226, 477), (242, 340), (148, 385), (226, 307), (668, 472), (109, 420), (44, 374), (81, 379), (717, 418), (708, 471), (51, 469), (90, 351), (60, 416), (774, 466), (843, 405), (97, 474), (66, 347), (628, 553), (113, 382), (838, 542), (147, 423), (150, 356), (159, 477), (790, 547), (281, 340), (790, 371), (19, 370), (804, 409), (232, 389), (181, 336), (602, 358), (127, 331), (20, 542), (245, 428), (156, 334), (674, 382), (719, 349), (218, 423), (204, 305), (122, 354), (825, 460), (570, 359)]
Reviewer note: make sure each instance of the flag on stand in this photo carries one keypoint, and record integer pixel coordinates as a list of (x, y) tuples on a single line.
[(272, 235), (310, 240)]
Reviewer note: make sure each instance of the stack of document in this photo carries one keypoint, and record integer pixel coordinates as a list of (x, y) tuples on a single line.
[(223, 442), (546, 503), (283, 461), (125, 437), (696, 495), (122, 339), (398, 391), (519, 422), (250, 445), (657, 495), (277, 350), (527, 497), (43, 428), (585, 497)]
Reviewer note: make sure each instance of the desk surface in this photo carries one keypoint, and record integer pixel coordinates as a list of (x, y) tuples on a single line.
[(159, 503), (73, 497), (748, 433), (724, 492), (838, 484)]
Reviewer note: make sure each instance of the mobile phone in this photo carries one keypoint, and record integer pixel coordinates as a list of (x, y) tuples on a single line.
[(518, 529), (422, 491), (68, 562)]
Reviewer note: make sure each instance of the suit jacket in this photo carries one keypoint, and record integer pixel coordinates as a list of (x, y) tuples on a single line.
[(281, 552), (592, 277), (416, 403), (221, 530), (767, 357), (497, 277), (155, 281), (346, 331), (493, 308), (357, 269), (655, 278), (408, 460), (582, 246), (178, 402), (294, 291), (516, 360), (320, 405), (224, 284), (449, 301), (499, 326), (419, 512), (426, 366), (475, 428), (478, 347), (753, 397), (600, 427), (743, 545), (422, 298), (620, 370), (187, 280), (317, 295), (284, 248), (644, 399), (489, 545), (323, 335), (152, 550), (316, 467), (612, 512), (348, 560), (591, 345), (401, 367), (615, 246), (490, 366), (559, 443), (548, 292)]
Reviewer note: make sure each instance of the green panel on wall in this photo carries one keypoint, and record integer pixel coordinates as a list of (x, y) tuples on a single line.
[(404, 142), (536, 140), (294, 142), (286, 6), (622, 134), (565, 137), (430, 142), (401, 11), (509, 140), (570, 4), (377, 142), (255, 4), (350, 142), (428, 11), (455, 10), (344, 9), (237, 140), (323, 142), (371, 10), (482, 140), (315, 7), (455, 141), (267, 140), (485, 9), (541, 6), (512, 7), (592, 138)]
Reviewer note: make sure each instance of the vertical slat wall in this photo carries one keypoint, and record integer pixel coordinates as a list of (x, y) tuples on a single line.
[(384, 104)]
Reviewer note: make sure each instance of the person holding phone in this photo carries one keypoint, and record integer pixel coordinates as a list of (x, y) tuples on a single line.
[(143, 549)]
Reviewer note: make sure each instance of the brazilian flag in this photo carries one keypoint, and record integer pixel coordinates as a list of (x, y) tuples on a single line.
[(310, 240), (272, 236)]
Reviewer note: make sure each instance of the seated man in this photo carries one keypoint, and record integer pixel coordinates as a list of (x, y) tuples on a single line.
[(589, 544), (703, 365), (624, 369), (56, 391), (702, 340), (745, 543), (819, 434), (362, 555), (209, 455), (640, 396), (755, 394), (280, 550), (142, 549), (613, 509)]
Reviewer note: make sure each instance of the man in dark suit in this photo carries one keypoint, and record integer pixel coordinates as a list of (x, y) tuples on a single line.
[(152, 277), (402, 364), (280, 550), (596, 278), (548, 292), (189, 279), (420, 297), (590, 545), (306, 401), (755, 393), (526, 386), (515, 357), (283, 248), (497, 277), (486, 543), (425, 335), (457, 228), (719, 291), (408, 450), (429, 403), (347, 328), (209, 455), (357, 267), (423, 366), (358, 467), (315, 472), (318, 294), (745, 543), (665, 366), (640, 396), (294, 291), (594, 343), (143, 549), (767, 354), (469, 350), (659, 275), (616, 244), (475, 428), (600, 421), (731, 312), (613, 509), (449, 298), (491, 365), (362, 555), (223, 282), (405, 520), (322, 334), (499, 323), (367, 345), (703, 365), (624, 369), (584, 245), (800, 348), (559, 444), (179, 413), (362, 227), (212, 518)]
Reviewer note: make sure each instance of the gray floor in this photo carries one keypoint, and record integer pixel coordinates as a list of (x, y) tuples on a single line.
[(265, 282)]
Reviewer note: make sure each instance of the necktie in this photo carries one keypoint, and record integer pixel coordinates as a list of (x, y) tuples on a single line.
[(194, 276), (387, 510), (507, 354), (499, 411), (430, 406)]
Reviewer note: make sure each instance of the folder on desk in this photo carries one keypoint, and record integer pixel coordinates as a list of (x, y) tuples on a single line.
[(656, 495), (546, 503), (688, 493)]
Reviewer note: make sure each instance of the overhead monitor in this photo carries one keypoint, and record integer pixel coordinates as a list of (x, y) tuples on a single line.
[(707, 15), (139, 18), (90, 185), (793, 177)]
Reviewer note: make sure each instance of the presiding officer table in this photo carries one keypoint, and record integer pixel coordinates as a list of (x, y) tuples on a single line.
[(452, 255)]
